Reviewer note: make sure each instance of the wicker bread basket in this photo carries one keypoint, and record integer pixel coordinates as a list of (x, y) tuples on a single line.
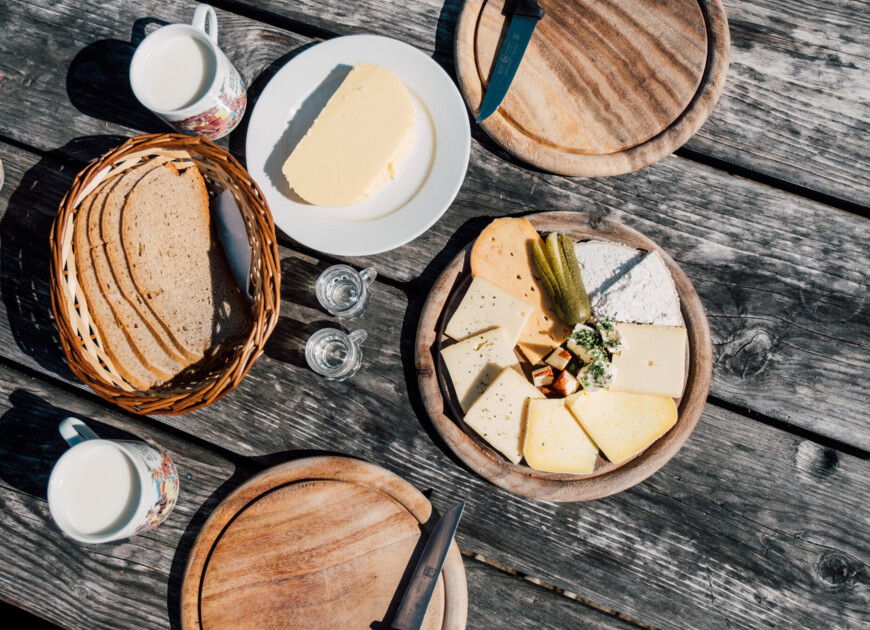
[(211, 379)]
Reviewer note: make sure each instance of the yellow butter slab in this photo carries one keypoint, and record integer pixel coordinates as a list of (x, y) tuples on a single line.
[(622, 424), (555, 441)]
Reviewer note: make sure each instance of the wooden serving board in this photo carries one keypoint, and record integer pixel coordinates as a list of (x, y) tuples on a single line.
[(606, 479), (605, 86), (323, 542)]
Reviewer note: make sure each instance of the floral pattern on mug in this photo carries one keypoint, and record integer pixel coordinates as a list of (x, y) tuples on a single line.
[(165, 479), (221, 119)]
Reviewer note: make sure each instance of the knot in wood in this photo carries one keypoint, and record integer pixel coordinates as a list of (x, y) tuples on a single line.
[(748, 353), (836, 570), (815, 461)]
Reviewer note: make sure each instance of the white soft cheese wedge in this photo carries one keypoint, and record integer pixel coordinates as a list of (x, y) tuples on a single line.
[(499, 415), (622, 424), (651, 360), (486, 305), (555, 441), (352, 149), (644, 295), (475, 363)]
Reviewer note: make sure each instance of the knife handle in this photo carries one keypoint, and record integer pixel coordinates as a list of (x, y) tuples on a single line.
[(528, 9)]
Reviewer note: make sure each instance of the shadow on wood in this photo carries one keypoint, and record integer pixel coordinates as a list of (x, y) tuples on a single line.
[(98, 82)]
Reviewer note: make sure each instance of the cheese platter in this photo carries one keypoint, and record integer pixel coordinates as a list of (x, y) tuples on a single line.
[(564, 368)]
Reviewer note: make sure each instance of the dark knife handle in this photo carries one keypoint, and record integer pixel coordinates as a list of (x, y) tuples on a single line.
[(527, 9)]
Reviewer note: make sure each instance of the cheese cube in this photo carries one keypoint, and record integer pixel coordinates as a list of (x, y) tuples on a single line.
[(555, 441), (622, 424), (475, 363), (486, 305), (499, 415), (652, 361), (542, 376), (566, 384), (559, 358)]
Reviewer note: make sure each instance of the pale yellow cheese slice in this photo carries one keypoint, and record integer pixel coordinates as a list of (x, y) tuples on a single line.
[(503, 254), (499, 415), (555, 441), (622, 424), (651, 360), (486, 305), (352, 149), (475, 363)]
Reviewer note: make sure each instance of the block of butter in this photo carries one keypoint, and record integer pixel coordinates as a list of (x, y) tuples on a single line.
[(475, 362), (555, 441), (486, 305), (622, 424), (352, 149), (499, 415), (652, 360)]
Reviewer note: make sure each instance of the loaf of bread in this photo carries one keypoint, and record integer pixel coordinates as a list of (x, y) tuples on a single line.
[(154, 278)]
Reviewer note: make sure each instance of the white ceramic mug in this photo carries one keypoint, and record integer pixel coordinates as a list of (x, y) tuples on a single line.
[(105, 490), (180, 74)]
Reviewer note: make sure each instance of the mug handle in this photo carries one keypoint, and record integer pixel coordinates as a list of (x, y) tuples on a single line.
[(205, 19), (74, 431)]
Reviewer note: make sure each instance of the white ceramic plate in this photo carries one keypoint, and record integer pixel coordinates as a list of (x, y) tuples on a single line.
[(425, 183)]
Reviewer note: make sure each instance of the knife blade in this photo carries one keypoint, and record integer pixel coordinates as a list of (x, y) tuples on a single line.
[(412, 610), (524, 16)]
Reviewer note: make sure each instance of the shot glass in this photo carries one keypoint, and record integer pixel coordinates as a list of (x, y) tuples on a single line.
[(344, 291), (334, 354)]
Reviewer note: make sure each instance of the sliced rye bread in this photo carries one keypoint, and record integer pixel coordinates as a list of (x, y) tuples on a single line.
[(175, 263), (113, 337), (110, 233), (144, 340)]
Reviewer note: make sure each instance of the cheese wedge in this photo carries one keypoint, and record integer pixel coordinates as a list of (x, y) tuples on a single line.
[(475, 363), (499, 415), (503, 254), (352, 149), (555, 441), (486, 305), (621, 424), (651, 360)]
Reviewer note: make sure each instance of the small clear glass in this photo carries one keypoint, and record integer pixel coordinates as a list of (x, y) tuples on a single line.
[(335, 354), (344, 291)]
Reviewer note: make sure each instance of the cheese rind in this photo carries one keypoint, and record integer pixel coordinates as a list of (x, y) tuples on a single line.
[(353, 146), (652, 360), (487, 305), (499, 415), (475, 363), (622, 424), (555, 441)]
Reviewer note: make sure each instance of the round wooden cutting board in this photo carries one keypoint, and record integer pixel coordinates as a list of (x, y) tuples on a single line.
[(605, 86), (325, 542), (607, 478)]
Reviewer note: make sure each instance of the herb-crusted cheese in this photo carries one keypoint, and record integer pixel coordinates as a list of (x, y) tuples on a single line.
[(486, 305), (499, 415), (475, 362)]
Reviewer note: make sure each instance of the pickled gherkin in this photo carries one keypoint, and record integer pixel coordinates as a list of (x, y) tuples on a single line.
[(560, 274)]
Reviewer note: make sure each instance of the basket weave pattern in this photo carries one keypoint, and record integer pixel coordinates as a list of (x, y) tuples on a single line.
[(209, 380)]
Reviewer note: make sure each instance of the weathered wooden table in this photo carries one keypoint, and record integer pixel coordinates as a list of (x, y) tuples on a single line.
[(762, 520)]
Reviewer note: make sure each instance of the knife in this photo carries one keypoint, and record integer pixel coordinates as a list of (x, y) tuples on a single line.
[(411, 611), (524, 16)]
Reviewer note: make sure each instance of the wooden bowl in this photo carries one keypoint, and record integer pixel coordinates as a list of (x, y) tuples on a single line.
[(209, 380), (607, 478), (321, 542), (605, 86)]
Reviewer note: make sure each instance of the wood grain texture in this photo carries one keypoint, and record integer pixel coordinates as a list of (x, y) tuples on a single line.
[(136, 582), (320, 542), (784, 292), (604, 87), (795, 106), (446, 415)]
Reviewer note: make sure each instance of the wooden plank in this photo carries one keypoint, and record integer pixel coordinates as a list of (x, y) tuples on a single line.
[(134, 583), (795, 105), (713, 530)]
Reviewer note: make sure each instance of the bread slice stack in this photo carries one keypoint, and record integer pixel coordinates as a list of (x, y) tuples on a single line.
[(157, 285)]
